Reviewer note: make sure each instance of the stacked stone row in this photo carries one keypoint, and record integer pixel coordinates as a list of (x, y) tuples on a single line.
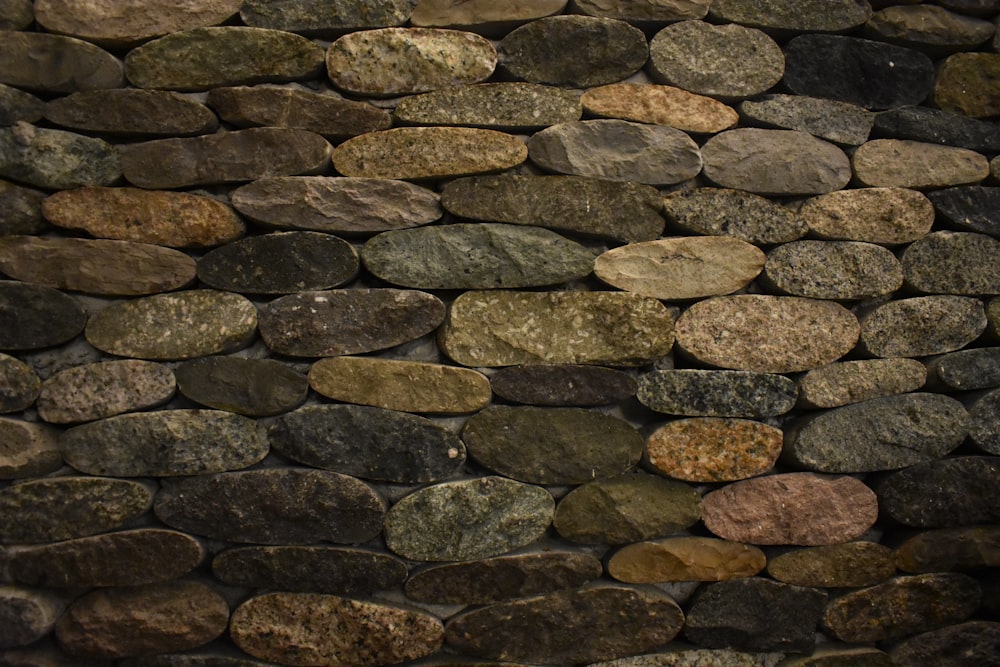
[(634, 333)]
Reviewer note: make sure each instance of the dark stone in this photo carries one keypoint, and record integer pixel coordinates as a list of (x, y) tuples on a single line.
[(984, 422), (20, 210), (846, 565), (967, 84), (104, 389), (56, 160), (19, 385), (950, 549), (841, 270), (712, 449), (953, 263), (934, 126), (251, 387), (323, 16), (929, 28), (697, 393), (25, 617), (485, 17), (966, 491), (839, 122), (208, 658), (36, 316), (130, 112), (922, 326), (968, 370), (511, 106), (972, 207), (19, 106), (30, 449), (17, 15), (562, 384), (808, 16), (56, 64), (969, 644), (744, 215)]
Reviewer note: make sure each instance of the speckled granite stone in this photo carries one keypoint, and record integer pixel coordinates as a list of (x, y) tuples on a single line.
[(490, 17), (840, 270), (701, 393), (132, 113), (984, 422), (662, 105), (19, 384), (685, 559), (953, 263), (104, 389), (967, 370), (922, 326), (726, 212), (810, 16), (56, 159), (323, 16), (711, 449), (887, 216), (513, 106), (847, 565), (839, 122), (848, 382)]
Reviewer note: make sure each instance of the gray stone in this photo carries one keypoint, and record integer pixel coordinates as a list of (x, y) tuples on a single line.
[(934, 126), (972, 7), (967, 370), (950, 549), (984, 422), (30, 450), (685, 559), (701, 393), (839, 122), (966, 84), (17, 105), (699, 657), (56, 160), (743, 215), (953, 263), (36, 316), (887, 216), (962, 645), (562, 385), (208, 657), (928, 27), (16, 15), (129, 112), (662, 105), (251, 387), (847, 382), (922, 326), (966, 491), (56, 64), (489, 17), (322, 16), (20, 210), (104, 389), (841, 270), (780, 16), (847, 565), (915, 164), (512, 106), (19, 384), (971, 207), (712, 449), (27, 615)]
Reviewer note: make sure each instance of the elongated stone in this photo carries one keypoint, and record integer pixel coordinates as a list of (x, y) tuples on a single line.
[(934, 126), (839, 270), (17, 15), (929, 27), (965, 492), (950, 549), (487, 17), (210, 656), (953, 263), (984, 425), (337, 322), (467, 520), (644, 13), (922, 326), (55, 159), (20, 210), (969, 643), (501, 106), (19, 384), (562, 385), (710, 449), (810, 16), (178, 325), (265, 507), (131, 112), (917, 165), (28, 615), (724, 212), (368, 442), (698, 657), (847, 565), (967, 370), (293, 629), (104, 389), (685, 559), (839, 122), (887, 216), (508, 328), (698, 393), (251, 387), (971, 207), (36, 316), (965, 84), (56, 64), (502, 578), (662, 105), (19, 106), (628, 620), (320, 16), (30, 450), (847, 382), (625, 212)]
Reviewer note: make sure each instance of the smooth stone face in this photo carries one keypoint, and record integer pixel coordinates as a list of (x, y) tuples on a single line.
[(628, 508), (475, 256), (104, 389), (488, 17), (264, 507), (29, 450), (968, 643), (710, 449), (368, 442), (966, 548), (167, 443), (685, 559), (320, 16), (20, 210), (840, 270), (682, 267), (934, 126), (17, 15), (109, 268), (953, 263), (338, 322), (294, 629), (887, 216), (641, 11), (309, 569), (966, 491), (625, 212), (847, 565), (27, 615), (251, 387), (17, 105), (847, 382), (984, 423), (966, 84), (510, 328), (249, 154), (56, 160), (839, 122), (547, 51), (727, 61), (775, 162), (661, 105), (968, 370), (701, 393), (970, 207), (922, 326), (501, 106), (562, 385), (428, 152), (19, 384), (917, 165), (773, 334), (467, 520), (928, 26), (56, 64), (502, 578), (174, 219), (743, 215), (36, 316), (131, 112), (627, 620), (809, 16), (178, 325), (791, 508)]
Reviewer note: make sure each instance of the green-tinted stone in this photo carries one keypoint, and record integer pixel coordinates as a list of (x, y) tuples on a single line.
[(922, 326), (19, 385), (697, 393), (36, 316), (511, 106), (131, 112), (56, 64), (724, 212), (55, 159), (252, 387), (838, 270), (847, 382), (950, 549), (847, 565)]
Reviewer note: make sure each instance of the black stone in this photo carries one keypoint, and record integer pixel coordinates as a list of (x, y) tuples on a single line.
[(251, 387), (17, 105), (965, 491), (20, 210), (562, 384), (934, 126), (34, 316), (973, 207)]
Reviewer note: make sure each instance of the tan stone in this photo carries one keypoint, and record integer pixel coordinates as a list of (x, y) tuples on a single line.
[(847, 382), (663, 105), (638, 11), (967, 84), (711, 449), (685, 559), (485, 16), (95, 391), (917, 165), (847, 565), (887, 216)]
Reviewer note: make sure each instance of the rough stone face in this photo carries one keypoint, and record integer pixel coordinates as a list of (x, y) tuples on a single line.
[(643, 12), (710, 449), (661, 105), (841, 270), (970, 207), (56, 64), (17, 105), (54, 159), (628, 508), (321, 16), (337, 322), (251, 387), (847, 565), (775, 162), (966, 84), (743, 215), (984, 423), (467, 520), (965, 644), (20, 210), (965, 548), (917, 165), (966, 491), (368, 442), (810, 16), (953, 263), (266, 507), (29, 450), (16, 15), (627, 620), (19, 384), (294, 629), (922, 326), (178, 325), (773, 334), (625, 212), (692, 657), (27, 615), (502, 106), (685, 559), (131, 112), (839, 122), (227, 157), (562, 385), (547, 51), (508, 328), (36, 316), (934, 126), (887, 216), (848, 382), (488, 17), (928, 27), (727, 61), (475, 256), (701, 393), (104, 389), (967, 370)]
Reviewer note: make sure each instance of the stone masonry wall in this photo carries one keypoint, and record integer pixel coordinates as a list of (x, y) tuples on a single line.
[(622, 332)]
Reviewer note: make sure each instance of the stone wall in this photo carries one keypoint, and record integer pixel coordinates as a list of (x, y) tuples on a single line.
[(370, 332)]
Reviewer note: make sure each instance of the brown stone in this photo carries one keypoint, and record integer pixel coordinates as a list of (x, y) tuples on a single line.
[(19, 385), (56, 64), (724, 212), (887, 216), (663, 105), (929, 27), (685, 559), (509, 105), (710, 449), (848, 382), (917, 165), (20, 210), (562, 384), (323, 17), (922, 326), (490, 17), (29, 450), (105, 389), (18, 15), (950, 549), (806, 16), (252, 387), (19, 106), (642, 11), (26, 616), (967, 84), (835, 654), (841, 270), (965, 644), (847, 565), (131, 112)]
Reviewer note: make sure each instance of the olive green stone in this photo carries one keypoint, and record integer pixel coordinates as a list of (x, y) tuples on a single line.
[(29, 449), (724, 212), (56, 64), (322, 16), (966, 84), (511, 106), (950, 549), (922, 326), (104, 389), (711, 449), (846, 382), (840, 270), (19, 385), (132, 112), (685, 559), (56, 159), (36, 316), (808, 16), (251, 387), (847, 565)]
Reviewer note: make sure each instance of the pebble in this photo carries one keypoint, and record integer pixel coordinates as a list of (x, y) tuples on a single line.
[(512, 106), (17, 15), (972, 7), (967, 370), (704, 393), (128, 112), (848, 382), (953, 263), (336, 205), (685, 559), (36, 316), (961, 645), (562, 385), (165, 443), (368, 442), (406, 386), (770, 334), (660, 105), (142, 620), (502, 578), (475, 256), (468, 519), (265, 507), (839, 122), (174, 326), (922, 326), (104, 389), (887, 216), (874, 75), (428, 153), (710, 449), (322, 17), (28, 615), (724, 212), (993, 317), (698, 657), (590, 207), (250, 154), (56, 159), (916, 165), (950, 549), (644, 12), (984, 422), (506, 328), (20, 210), (205, 58), (928, 27), (934, 126), (280, 263), (30, 449), (780, 17), (19, 385), (724, 61), (173, 219), (841, 270), (294, 629), (799, 508), (847, 565), (350, 321), (966, 84), (628, 621), (207, 658), (966, 491), (969, 207), (628, 508), (547, 51), (775, 162), (251, 387), (489, 17), (17, 105), (49, 63)]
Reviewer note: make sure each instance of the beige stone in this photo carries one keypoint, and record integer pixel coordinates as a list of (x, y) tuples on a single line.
[(847, 382), (883, 215), (663, 105), (685, 559), (917, 165), (95, 391)]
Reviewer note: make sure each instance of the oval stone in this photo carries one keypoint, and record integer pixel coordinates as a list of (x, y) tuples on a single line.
[(562, 385), (104, 389), (970, 207), (809, 16), (965, 548), (970, 643), (966, 84), (917, 165), (266, 507), (953, 263), (887, 216), (847, 565), (512, 106), (487, 17), (174, 219), (984, 422), (503, 328), (251, 387), (743, 215), (710, 449), (966, 491), (28, 615), (791, 508), (178, 325), (841, 270), (922, 326), (681, 268), (368, 442), (967, 370), (407, 386), (930, 27), (19, 384), (848, 382), (402, 61), (839, 122), (767, 334), (644, 13), (474, 256), (551, 445), (294, 629), (700, 393), (55, 159), (29, 449), (685, 559), (938, 127), (468, 520), (338, 322), (132, 112), (662, 105), (36, 316), (20, 209), (323, 16), (56, 64)]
